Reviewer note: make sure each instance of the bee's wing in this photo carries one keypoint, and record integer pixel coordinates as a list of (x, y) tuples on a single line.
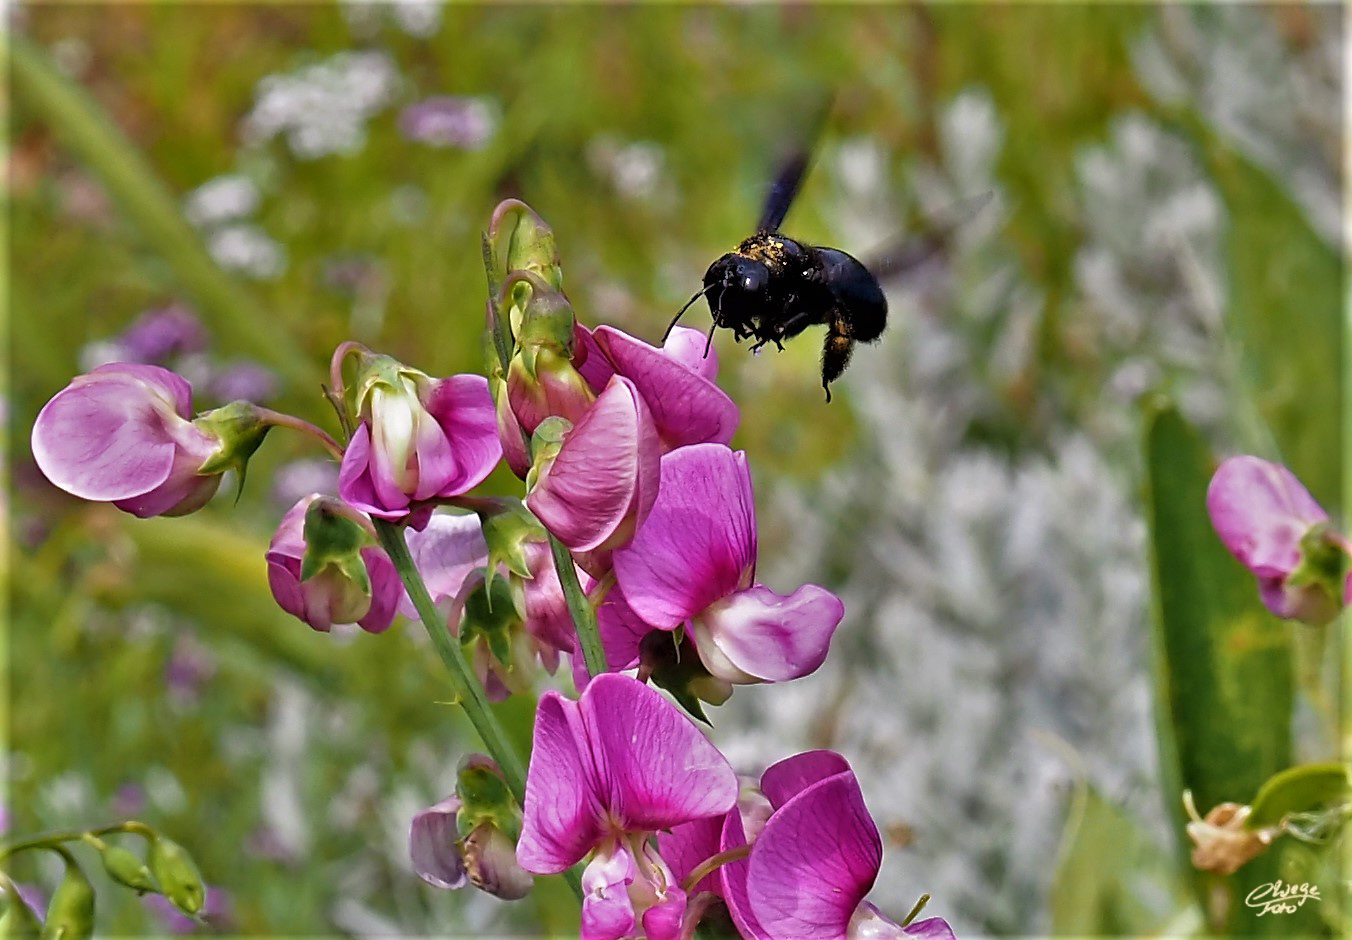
[(793, 168), (782, 192), (908, 253)]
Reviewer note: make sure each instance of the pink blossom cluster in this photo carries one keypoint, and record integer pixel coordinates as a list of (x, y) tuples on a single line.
[(624, 449)]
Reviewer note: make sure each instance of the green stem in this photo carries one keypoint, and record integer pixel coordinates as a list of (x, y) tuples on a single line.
[(584, 617), (87, 130), (469, 693)]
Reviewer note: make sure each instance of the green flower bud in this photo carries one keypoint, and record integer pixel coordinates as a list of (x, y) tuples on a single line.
[(124, 867), (70, 915), (334, 538), (523, 242), (18, 921), (177, 875)]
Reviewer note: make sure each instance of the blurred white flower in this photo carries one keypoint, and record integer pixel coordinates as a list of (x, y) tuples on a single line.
[(246, 248), (323, 108), (221, 199)]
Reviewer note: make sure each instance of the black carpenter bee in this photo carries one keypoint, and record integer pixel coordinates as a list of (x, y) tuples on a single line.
[(771, 287)]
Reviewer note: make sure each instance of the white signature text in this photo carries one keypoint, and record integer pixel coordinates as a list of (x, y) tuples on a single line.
[(1278, 898)]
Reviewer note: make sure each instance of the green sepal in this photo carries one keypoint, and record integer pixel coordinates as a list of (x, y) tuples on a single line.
[(1303, 789), (673, 665), (1322, 568), (334, 539), (545, 445), (507, 529), (491, 615), (378, 369), (484, 796), (240, 429), (70, 915), (178, 876)]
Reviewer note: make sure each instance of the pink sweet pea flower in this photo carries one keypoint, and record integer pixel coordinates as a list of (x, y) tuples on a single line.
[(599, 488), (813, 861), (123, 434), (1273, 526), (694, 561), (364, 589), (606, 772), (420, 439), (677, 385)]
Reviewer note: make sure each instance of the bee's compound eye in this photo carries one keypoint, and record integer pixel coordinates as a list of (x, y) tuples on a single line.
[(752, 277)]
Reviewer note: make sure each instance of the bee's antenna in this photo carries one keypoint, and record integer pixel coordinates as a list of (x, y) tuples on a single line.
[(672, 325)]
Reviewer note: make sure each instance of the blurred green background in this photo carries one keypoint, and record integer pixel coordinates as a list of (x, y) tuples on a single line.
[(1167, 201)]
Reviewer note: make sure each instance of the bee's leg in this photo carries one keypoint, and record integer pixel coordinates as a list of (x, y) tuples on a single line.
[(835, 352)]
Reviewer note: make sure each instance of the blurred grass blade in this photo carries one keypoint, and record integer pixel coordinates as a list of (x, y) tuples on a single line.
[(81, 123), (1222, 669), (1111, 875)]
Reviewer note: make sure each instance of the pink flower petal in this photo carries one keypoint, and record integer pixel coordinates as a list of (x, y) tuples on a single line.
[(588, 359), (699, 543), (689, 845), (603, 482), (432, 838), (464, 408), (447, 549), (784, 780), (732, 880), (387, 590), (758, 635), (607, 913), (686, 407), (355, 485), (688, 347), (117, 432), (1261, 511), (561, 820), (654, 768), (814, 862)]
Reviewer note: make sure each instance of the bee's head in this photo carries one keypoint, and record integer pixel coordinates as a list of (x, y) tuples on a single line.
[(746, 274)]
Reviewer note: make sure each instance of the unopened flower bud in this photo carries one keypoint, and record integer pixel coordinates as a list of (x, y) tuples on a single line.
[(239, 427), (1221, 841), (323, 567), (523, 242), (490, 860), (125, 867), (70, 915), (19, 922), (179, 880), (419, 439), (1268, 520), (433, 845)]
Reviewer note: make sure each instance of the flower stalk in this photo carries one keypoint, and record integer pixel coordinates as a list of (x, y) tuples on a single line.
[(469, 695)]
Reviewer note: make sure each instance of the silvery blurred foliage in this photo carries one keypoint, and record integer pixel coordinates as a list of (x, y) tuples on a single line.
[(247, 249), (221, 199), (322, 109), (635, 169), (1271, 83), (997, 600), (418, 18)]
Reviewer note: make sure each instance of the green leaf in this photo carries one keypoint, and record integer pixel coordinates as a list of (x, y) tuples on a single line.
[(1298, 790), (1285, 312), (1222, 666), (1107, 865)]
